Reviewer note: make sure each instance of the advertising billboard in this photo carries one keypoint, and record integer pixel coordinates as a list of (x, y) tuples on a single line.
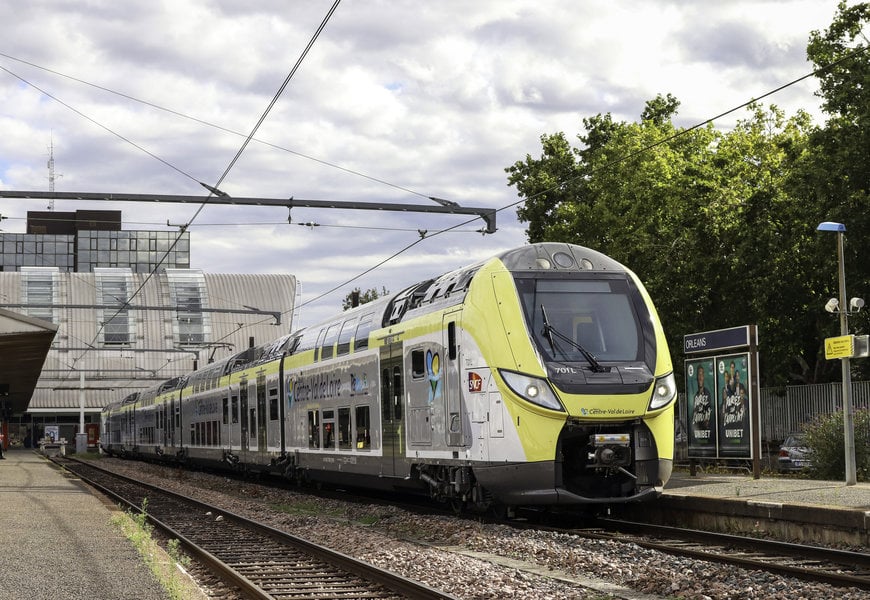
[(735, 434), (717, 406), (701, 407)]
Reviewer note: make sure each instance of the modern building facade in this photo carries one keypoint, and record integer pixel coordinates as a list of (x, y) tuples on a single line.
[(122, 324)]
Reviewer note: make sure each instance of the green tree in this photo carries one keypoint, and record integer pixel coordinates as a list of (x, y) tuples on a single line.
[(703, 217), (363, 297), (834, 176)]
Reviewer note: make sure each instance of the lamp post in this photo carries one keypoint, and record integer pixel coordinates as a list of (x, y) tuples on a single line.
[(848, 417)]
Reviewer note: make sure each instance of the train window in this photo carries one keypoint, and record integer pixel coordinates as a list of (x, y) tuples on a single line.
[(192, 434), (253, 423), (226, 404), (361, 337), (326, 351), (418, 364), (235, 409), (386, 400), (347, 330), (344, 442), (397, 391), (318, 344), (273, 404), (451, 340), (313, 429), (363, 437), (329, 430)]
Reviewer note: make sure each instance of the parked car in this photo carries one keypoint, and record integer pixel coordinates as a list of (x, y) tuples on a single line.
[(794, 454)]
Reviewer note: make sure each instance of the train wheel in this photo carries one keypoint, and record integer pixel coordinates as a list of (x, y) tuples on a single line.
[(458, 506), (502, 512)]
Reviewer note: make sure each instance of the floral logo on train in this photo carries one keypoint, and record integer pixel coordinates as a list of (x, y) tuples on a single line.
[(433, 370)]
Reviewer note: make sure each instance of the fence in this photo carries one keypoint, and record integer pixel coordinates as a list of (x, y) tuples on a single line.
[(782, 414)]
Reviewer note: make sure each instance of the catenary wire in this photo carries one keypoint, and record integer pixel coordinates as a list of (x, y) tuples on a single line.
[(221, 128), (215, 189)]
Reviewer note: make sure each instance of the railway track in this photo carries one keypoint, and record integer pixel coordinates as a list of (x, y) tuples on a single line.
[(260, 561), (811, 563)]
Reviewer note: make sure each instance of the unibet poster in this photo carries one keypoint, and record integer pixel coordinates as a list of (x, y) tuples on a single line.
[(732, 379), (701, 407)]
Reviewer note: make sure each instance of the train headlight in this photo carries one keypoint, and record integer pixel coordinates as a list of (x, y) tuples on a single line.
[(532, 389), (664, 392)]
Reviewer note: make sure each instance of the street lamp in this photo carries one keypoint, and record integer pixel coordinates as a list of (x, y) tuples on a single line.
[(848, 425)]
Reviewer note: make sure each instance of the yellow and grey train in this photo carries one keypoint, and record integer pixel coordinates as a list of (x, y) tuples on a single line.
[(540, 376)]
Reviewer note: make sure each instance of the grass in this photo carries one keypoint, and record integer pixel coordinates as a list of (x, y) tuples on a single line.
[(163, 564)]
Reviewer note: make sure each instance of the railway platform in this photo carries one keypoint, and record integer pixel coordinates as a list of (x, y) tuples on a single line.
[(57, 541), (788, 508)]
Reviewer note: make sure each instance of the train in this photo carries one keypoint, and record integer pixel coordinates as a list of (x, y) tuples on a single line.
[(540, 376)]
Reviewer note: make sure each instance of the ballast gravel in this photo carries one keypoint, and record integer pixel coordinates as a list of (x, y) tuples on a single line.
[(473, 560)]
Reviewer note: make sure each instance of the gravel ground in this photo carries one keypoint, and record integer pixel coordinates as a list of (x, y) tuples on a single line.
[(473, 560)]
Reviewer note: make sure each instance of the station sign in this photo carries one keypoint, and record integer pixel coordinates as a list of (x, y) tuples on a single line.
[(719, 339)]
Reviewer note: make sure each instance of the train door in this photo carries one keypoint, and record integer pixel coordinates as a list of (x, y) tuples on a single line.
[(392, 394), (177, 437), (243, 413), (235, 435), (261, 413), (451, 390)]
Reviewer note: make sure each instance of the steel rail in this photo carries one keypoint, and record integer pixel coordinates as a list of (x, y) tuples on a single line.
[(396, 584)]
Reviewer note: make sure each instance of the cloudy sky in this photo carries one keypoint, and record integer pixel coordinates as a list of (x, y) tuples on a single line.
[(394, 102)]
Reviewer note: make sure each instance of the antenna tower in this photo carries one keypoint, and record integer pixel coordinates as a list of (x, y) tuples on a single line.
[(51, 174)]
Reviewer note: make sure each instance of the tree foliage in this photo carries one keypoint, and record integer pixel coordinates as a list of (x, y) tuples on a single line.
[(363, 297), (721, 225)]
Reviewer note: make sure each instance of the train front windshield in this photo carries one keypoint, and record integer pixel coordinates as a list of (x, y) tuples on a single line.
[(572, 318)]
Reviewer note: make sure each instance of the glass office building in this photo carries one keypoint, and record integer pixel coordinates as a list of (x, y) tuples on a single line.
[(85, 240)]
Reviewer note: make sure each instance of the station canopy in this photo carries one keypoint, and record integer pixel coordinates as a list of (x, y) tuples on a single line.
[(24, 344)]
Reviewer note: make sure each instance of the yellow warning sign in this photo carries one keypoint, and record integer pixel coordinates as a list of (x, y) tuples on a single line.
[(839, 347)]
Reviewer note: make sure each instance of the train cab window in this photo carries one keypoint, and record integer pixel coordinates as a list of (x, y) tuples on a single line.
[(347, 329), (313, 429), (418, 364), (344, 442), (361, 337), (327, 350), (363, 435), (235, 411), (273, 404), (226, 404)]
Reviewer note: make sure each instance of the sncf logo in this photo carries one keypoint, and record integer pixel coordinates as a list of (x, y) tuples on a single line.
[(475, 382)]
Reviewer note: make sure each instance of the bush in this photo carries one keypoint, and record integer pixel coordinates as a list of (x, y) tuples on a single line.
[(825, 439)]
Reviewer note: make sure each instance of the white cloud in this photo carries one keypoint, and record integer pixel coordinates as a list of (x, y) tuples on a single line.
[(436, 98)]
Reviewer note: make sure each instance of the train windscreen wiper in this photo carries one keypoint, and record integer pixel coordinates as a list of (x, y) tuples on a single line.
[(548, 333)]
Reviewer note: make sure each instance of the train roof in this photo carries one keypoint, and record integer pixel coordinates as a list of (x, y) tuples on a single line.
[(558, 256)]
